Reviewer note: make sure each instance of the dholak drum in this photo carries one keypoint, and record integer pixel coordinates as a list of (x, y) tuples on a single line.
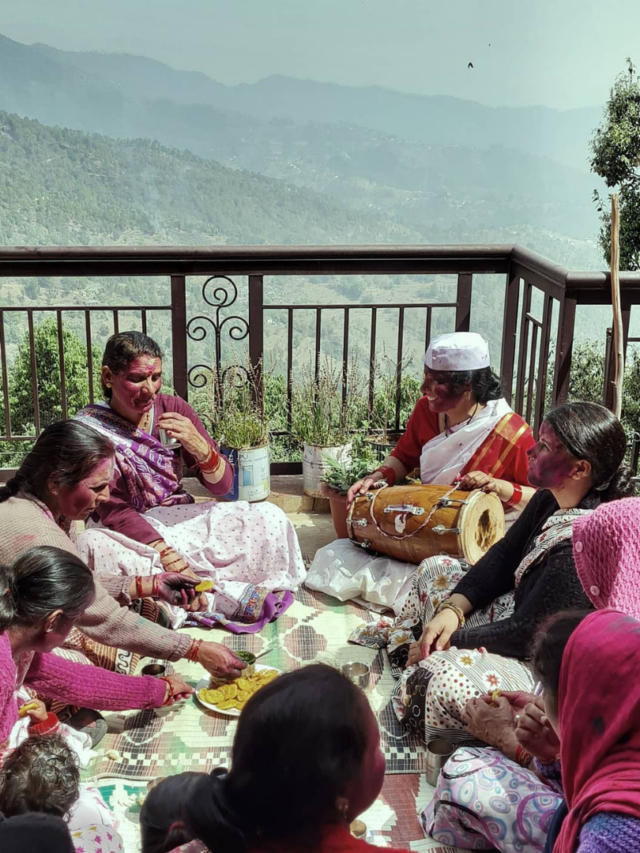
[(411, 523)]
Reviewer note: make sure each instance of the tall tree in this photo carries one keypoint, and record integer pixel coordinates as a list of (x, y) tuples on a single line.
[(615, 149), (48, 377)]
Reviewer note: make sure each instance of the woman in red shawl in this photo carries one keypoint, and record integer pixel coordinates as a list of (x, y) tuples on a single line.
[(590, 675)]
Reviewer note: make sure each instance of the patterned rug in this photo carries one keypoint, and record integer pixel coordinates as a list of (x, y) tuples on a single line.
[(150, 744)]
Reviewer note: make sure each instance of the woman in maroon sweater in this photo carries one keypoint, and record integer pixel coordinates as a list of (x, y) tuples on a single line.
[(150, 524)]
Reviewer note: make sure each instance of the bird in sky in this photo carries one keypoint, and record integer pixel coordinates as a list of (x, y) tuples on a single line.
[(470, 65)]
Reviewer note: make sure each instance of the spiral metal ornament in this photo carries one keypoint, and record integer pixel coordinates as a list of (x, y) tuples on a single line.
[(220, 292)]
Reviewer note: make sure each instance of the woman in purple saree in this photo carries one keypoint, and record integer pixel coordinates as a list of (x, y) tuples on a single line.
[(151, 525)]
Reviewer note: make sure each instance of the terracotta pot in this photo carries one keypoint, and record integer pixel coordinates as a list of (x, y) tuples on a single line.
[(338, 505)]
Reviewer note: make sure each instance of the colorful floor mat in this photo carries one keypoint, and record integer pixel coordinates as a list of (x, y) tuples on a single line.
[(150, 744)]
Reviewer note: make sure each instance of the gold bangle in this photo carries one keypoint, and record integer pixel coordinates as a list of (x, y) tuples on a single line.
[(448, 605)]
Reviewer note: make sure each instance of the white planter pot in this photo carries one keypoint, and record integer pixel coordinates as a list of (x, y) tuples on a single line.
[(313, 465), (252, 479)]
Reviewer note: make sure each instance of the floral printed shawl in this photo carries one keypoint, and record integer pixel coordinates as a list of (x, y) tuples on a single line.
[(556, 529), (148, 468)]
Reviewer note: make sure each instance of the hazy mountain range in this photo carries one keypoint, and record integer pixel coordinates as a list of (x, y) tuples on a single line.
[(432, 169)]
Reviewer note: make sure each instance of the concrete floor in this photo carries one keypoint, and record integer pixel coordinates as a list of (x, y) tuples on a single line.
[(314, 530)]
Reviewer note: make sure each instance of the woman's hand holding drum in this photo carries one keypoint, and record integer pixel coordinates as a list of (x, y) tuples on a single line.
[(479, 480)]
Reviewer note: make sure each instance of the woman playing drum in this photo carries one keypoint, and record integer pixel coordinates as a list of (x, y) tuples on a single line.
[(461, 430), (462, 634)]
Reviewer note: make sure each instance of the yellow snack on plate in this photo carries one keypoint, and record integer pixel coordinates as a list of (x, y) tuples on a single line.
[(204, 586), (211, 696), (236, 694)]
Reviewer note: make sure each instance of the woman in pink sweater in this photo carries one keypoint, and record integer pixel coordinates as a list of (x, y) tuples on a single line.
[(41, 595)]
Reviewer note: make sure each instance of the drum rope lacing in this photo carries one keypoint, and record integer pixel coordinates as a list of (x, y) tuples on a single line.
[(432, 511)]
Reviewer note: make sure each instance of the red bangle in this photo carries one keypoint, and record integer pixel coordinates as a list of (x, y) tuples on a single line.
[(171, 690), (210, 463), (515, 498), (523, 758), (165, 551), (139, 589), (194, 648), (388, 474)]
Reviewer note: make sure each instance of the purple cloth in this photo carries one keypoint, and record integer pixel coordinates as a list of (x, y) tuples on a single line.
[(255, 611)]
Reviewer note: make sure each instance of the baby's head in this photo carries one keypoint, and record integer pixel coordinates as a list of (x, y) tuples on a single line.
[(40, 775)]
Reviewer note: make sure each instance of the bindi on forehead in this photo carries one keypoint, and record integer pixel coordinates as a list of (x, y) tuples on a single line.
[(144, 365), (102, 473)]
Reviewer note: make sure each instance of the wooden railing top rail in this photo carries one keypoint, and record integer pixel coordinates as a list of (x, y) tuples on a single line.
[(306, 260), (251, 260)]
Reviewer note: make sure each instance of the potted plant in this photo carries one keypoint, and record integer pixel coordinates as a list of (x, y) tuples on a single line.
[(322, 421), (383, 437), (340, 476), (241, 429)]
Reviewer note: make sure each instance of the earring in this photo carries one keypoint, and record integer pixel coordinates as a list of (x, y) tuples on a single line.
[(343, 807)]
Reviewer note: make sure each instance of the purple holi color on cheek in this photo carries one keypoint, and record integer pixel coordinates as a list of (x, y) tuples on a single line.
[(447, 398), (550, 470)]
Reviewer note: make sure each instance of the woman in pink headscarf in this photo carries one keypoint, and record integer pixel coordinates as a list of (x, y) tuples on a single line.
[(589, 675)]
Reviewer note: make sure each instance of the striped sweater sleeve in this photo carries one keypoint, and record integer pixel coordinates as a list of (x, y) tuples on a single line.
[(106, 622)]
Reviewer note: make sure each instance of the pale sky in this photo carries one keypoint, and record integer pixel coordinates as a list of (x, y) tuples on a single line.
[(562, 53)]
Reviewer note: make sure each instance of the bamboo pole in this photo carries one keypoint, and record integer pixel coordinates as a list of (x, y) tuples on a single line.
[(617, 349)]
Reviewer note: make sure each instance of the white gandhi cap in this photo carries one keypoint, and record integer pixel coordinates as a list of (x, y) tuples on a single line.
[(458, 351)]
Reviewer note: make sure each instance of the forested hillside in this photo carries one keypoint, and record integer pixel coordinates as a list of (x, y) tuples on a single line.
[(64, 187)]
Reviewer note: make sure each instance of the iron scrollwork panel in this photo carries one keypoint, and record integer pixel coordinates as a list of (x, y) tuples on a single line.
[(220, 292)]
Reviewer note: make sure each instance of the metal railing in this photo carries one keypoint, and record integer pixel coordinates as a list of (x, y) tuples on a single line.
[(527, 340)]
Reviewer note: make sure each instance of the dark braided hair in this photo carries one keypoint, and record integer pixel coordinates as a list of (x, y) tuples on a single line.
[(485, 385), (305, 732), (591, 432), (41, 580)]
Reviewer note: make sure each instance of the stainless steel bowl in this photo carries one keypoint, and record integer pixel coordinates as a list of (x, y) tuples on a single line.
[(155, 670), (357, 672)]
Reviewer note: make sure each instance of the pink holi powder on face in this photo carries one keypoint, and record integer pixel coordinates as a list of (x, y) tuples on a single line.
[(135, 389), (79, 502), (446, 396), (550, 463)]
